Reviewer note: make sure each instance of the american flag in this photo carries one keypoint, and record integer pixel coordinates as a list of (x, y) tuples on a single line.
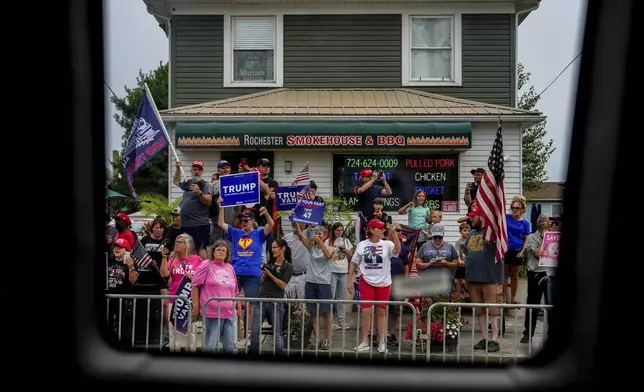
[(490, 198), (305, 193), (411, 239), (302, 175), (141, 257)]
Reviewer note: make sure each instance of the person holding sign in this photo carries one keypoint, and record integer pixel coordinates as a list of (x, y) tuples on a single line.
[(373, 257), (318, 282), (555, 225), (247, 244), (537, 278), (179, 265)]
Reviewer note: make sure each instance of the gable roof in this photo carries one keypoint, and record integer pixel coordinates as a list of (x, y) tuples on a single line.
[(347, 102), (551, 191)]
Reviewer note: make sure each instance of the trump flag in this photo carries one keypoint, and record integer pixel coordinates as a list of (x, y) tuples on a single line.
[(147, 138)]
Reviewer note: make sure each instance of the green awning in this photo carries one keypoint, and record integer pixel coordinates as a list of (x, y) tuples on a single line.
[(110, 193), (324, 134)]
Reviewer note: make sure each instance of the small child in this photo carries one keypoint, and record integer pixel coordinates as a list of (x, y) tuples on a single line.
[(378, 210), (459, 275), (436, 217)]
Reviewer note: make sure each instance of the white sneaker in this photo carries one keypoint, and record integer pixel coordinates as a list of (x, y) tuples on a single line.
[(337, 327), (363, 347), (382, 348)]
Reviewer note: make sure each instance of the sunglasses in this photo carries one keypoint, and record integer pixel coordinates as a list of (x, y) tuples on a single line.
[(516, 208), (244, 220), (437, 237)]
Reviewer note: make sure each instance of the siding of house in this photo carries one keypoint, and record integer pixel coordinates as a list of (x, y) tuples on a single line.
[(321, 167), (546, 208), (342, 51)]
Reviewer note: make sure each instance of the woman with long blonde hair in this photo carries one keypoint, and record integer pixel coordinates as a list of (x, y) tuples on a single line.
[(518, 231), (183, 262)]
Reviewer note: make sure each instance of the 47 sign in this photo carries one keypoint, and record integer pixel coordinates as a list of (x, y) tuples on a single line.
[(309, 212)]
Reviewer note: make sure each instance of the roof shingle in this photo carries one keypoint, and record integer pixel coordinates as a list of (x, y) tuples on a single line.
[(352, 102)]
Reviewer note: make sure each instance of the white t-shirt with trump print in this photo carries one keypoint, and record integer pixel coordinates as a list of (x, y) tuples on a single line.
[(374, 261)]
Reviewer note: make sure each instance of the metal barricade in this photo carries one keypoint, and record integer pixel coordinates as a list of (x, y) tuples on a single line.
[(455, 344), (290, 303), (133, 312)]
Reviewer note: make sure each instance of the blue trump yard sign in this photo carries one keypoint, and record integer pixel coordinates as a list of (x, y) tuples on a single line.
[(180, 315), (286, 197), (238, 189), (309, 212)]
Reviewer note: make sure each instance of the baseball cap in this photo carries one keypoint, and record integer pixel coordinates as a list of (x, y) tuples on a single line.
[(366, 173), (474, 212), (124, 217), (477, 170), (222, 163), (122, 243), (176, 211), (375, 223), (246, 214), (438, 230), (197, 163)]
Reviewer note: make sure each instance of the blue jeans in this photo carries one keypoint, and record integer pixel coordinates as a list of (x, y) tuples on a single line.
[(274, 319), (551, 283), (338, 287), (220, 330), (250, 285)]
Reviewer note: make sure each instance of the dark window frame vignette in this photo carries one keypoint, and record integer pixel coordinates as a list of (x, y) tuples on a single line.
[(594, 111)]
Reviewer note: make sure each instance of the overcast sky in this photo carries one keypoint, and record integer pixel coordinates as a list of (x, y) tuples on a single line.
[(548, 40)]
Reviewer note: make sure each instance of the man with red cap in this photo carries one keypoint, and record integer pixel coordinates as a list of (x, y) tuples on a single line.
[(484, 277), (195, 207), (367, 191)]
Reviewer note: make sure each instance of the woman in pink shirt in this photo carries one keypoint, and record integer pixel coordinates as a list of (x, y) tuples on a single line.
[(216, 278), (183, 261)]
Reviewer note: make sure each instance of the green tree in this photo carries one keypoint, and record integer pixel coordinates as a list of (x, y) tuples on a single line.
[(153, 177), (536, 148)]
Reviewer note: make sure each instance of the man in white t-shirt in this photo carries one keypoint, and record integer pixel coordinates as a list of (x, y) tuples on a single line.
[(373, 258)]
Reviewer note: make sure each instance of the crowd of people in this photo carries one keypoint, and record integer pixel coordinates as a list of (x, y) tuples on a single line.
[(238, 251)]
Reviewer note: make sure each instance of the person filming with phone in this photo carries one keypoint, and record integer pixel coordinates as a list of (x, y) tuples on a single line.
[(367, 191), (195, 206), (473, 187), (437, 254)]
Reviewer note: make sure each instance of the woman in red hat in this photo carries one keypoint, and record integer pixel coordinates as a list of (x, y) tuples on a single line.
[(123, 223), (373, 257), (121, 275)]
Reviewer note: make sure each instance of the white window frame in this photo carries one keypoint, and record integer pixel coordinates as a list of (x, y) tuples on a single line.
[(278, 66), (552, 207), (457, 39)]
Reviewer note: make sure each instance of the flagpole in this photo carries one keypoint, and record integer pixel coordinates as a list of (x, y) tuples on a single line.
[(167, 136)]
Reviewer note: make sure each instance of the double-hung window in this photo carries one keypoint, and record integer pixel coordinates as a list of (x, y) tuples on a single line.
[(252, 56), (431, 50)]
